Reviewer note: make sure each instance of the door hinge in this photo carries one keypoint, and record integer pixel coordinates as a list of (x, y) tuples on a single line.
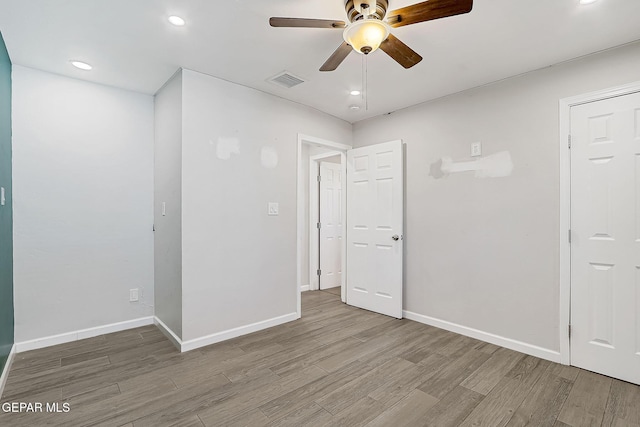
[(569, 141), (154, 227), (569, 331), (569, 235), (319, 226), (319, 178), (319, 272)]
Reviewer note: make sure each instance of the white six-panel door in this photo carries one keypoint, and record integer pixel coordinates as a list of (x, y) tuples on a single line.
[(331, 217), (605, 244), (375, 227)]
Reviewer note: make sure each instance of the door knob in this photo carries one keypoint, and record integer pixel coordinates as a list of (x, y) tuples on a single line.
[(395, 237)]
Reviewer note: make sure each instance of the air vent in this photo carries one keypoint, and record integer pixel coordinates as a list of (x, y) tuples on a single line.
[(286, 79)]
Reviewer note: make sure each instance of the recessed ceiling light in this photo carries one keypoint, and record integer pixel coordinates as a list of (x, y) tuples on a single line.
[(177, 21), (354, 107), (355, 92), (81, 65), (587, 1)]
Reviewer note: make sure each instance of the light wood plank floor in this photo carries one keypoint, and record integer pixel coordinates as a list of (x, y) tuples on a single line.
[(337, 366), (335, 291)]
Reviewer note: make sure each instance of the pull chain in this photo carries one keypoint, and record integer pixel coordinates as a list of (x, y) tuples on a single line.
[(365, 88)]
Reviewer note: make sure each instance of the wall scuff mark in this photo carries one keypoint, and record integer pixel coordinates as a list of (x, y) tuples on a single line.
[(496, 165)]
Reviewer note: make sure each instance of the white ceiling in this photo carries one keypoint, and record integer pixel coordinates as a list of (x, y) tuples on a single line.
[(131, 45)]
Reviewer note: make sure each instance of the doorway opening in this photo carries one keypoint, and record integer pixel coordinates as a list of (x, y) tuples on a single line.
[(374, 214), (321, 265)]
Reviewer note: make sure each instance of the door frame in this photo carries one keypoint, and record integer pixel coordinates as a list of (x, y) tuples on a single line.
[(314, 204), (301, 184), (565, 105)]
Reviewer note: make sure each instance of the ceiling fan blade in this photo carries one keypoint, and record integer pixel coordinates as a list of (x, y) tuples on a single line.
[(306, 23), (337, 57), (427, 11), (400, 52)]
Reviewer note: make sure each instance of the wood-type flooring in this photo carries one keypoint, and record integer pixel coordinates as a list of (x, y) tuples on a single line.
[(337, 366)]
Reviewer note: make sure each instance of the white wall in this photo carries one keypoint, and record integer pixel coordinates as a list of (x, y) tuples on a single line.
[(83, 211), (239, 265), (483, 252), (168, 189)]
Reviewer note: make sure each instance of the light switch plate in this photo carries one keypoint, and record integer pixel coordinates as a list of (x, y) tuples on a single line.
[(133, 295), (476, 149), (2, 199), (273, 209)]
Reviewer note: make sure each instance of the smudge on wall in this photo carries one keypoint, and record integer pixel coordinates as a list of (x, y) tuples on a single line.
[(227, 146), (496, 165)]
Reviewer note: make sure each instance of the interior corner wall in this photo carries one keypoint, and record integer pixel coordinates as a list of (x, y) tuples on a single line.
[(483, 253), (168, 191), (239, 153), (83, 208), (6, 211)]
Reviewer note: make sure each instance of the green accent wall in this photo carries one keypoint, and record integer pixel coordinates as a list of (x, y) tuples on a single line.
[(6, 211)]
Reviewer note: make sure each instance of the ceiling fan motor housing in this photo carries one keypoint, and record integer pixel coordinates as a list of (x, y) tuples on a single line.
[(353, 8)]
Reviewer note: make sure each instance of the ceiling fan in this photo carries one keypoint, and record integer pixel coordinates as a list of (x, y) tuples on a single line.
[(369, 27)]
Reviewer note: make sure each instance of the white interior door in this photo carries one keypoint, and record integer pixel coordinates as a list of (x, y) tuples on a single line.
[(330, 225), (375, 204), (605, 244)]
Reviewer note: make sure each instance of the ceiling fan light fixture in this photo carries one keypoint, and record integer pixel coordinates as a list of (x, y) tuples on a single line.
[(366, 35), (355, 92)]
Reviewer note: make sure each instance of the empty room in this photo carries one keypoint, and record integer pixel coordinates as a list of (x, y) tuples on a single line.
[(319, 213)]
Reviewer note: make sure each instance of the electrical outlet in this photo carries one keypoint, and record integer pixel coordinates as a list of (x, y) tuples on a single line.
[(133, 295), (476, 149)]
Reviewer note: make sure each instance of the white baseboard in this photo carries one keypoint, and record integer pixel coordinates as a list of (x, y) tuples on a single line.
[(7, 368), (144, 321), (509, 343), (82, 334), (236, 332), (168, 332), (304, 288)]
